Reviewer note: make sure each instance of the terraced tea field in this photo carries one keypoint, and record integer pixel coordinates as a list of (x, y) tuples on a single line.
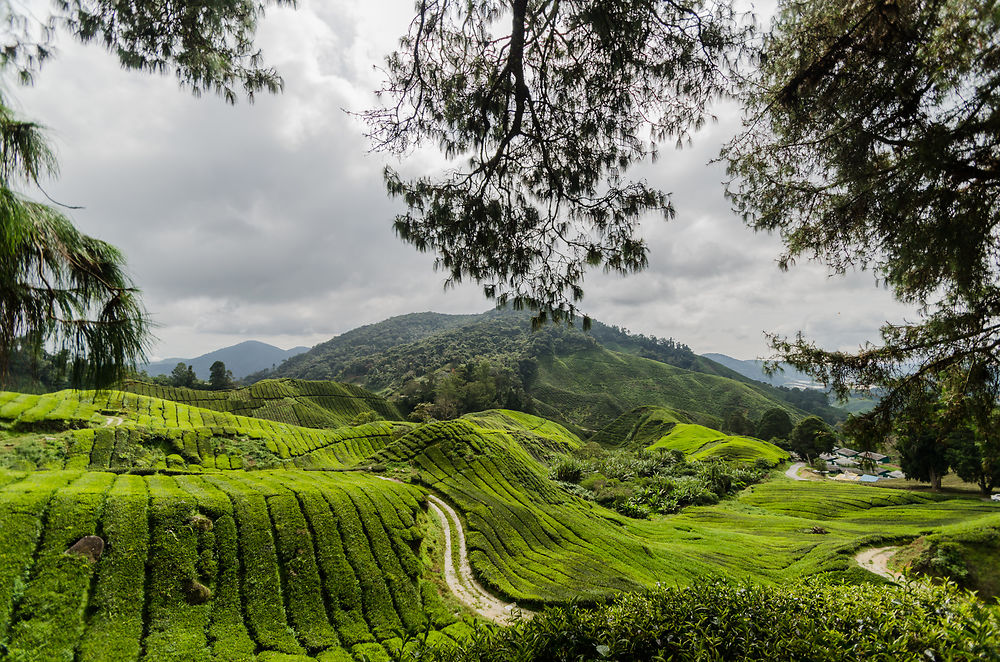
[(294, 401), (121, 431), (532, 541), (206, 560), (698, 442), (222, 567)]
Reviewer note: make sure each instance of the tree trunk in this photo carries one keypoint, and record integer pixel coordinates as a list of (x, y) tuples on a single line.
[(935, 481)]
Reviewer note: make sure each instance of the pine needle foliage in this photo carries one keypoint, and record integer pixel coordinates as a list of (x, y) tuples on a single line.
[(872, 142), (541, 107), (59, 286)]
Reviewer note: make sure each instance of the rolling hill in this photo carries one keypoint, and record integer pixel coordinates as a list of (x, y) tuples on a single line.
[(582, 379)]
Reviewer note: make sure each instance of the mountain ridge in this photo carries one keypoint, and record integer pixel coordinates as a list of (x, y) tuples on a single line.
[(241, 359)]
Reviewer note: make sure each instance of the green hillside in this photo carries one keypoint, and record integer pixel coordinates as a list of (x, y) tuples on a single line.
[(296, 402), (582, 379), (124, 431), (534, 542), (593, 386), (700, 443), (206, 560)]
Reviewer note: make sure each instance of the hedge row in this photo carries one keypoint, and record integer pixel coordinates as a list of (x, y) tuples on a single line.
[(48, 621), (114, 630), (176, 618)]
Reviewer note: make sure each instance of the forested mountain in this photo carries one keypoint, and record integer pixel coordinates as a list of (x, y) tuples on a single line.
[(441, 366)]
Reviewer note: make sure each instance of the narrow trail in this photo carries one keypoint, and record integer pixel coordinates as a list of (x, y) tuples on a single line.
[(460, 580), (793, 471), (876, 559)]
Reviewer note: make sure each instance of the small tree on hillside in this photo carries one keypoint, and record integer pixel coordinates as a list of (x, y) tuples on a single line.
[(219, 378), (182, 376), (774, 424), (738, 423), (811, 437)]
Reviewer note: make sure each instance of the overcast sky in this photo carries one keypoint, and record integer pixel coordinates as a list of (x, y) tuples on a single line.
[(270, 221)]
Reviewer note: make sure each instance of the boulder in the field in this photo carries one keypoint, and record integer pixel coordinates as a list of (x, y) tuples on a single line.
[(201, 523), (89, 547), (197, 593)]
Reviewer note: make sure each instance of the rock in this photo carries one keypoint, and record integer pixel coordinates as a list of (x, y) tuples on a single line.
[(200, 523), (197, 593), (89, 547)]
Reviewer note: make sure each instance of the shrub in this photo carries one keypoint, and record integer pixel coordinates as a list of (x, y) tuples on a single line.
[(568, 470)]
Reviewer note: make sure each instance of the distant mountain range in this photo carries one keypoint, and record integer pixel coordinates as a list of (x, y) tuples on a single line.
[(754, 369), (243, 359)]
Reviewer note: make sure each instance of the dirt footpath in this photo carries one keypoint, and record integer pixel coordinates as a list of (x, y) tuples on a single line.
[(876, 559), (460, 579)]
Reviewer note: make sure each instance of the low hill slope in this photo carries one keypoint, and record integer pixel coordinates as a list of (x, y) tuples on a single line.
[(700, 443), (225, 567), (641, 426), (124, 431), (593, 386), (313, 404), (532, 541)]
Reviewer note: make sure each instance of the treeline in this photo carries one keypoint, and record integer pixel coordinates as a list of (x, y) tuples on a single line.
[(470, 387), (183, 376)]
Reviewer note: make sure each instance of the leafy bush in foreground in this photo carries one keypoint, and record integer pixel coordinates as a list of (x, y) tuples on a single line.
[(725, 621)]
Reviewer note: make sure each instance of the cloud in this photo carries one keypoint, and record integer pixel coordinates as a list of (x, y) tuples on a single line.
[(270, 221)]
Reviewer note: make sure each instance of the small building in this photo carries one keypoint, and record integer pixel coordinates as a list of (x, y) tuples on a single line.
[(828, 457), (845, 452), (877, 458), (844, 462), (896, 474), (868, 478)]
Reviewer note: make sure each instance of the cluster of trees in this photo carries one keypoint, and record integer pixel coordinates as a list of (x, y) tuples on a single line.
[(183, 376), (810, 437), (952, 425), (469, 387)]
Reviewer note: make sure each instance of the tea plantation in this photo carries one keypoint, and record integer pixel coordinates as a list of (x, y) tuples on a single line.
[(311, 556)]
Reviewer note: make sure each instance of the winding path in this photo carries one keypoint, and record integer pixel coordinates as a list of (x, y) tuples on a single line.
[(876, 559), (460, 579), (793, 471)]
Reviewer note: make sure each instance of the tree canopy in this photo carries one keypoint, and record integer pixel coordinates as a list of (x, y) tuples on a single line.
[(873, 142), (58, 286), (541, 107)]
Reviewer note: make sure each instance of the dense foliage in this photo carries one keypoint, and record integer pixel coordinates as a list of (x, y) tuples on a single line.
[(729, 621), (872, 142), (640, 483), (541, 108)]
